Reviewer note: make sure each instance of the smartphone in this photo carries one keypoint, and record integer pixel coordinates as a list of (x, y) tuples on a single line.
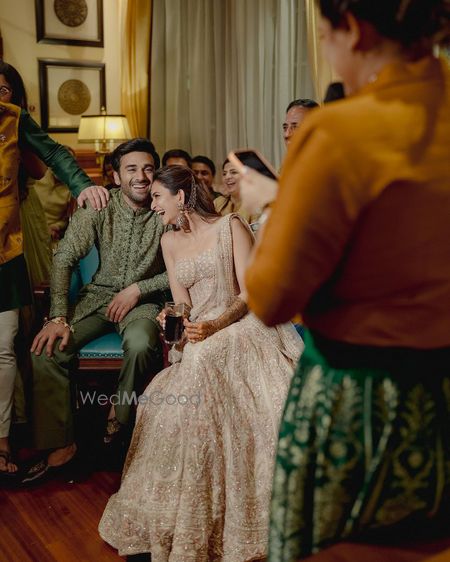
[(252, 159)]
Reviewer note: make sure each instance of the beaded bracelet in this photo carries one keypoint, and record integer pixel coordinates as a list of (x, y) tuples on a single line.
[(57, 320)]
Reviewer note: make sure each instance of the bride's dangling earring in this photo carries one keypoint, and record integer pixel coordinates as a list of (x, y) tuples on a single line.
[(182, 220)]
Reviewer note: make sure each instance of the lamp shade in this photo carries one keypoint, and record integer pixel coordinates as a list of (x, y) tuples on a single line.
[(103, 128)]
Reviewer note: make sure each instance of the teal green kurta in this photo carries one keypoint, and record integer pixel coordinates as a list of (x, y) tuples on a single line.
[(37, 244), (128, 243), (53, 154)]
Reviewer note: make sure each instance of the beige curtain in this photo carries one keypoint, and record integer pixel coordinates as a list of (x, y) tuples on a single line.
[(135, 60), (223, 72), (320, 69)]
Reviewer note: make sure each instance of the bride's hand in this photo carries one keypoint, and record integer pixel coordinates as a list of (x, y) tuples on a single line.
[(161, 318), (198, 331)]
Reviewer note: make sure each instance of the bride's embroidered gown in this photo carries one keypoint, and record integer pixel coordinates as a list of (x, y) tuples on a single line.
[(197, 480)]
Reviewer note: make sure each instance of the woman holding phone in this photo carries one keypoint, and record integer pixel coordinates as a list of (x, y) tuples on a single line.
[(358, 243)]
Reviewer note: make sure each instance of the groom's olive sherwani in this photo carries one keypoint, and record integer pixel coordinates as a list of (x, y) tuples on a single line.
[(128, 243)]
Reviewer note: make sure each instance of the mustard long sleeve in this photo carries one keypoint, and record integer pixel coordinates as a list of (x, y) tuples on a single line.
[(358, 238)]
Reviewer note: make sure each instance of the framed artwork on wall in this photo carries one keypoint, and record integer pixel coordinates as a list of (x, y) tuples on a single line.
[(69, 89), (70, 22)]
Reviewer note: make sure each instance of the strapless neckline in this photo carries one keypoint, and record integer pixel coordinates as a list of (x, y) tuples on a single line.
[(197, 256)]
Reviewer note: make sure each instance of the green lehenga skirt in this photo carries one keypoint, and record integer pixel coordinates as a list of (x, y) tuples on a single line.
[(359, 448)]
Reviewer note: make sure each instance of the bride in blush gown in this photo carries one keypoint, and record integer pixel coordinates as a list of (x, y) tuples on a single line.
[(197, 480)]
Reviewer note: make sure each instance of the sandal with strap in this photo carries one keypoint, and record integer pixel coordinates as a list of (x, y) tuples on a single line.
[(7, 457), (113, 430)]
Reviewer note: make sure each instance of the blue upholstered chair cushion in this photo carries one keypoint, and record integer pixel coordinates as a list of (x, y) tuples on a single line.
[(108, 346), (88, 266), (83, 273)]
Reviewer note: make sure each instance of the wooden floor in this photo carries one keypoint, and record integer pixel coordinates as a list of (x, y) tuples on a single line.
[(56, 521), (351, 552)]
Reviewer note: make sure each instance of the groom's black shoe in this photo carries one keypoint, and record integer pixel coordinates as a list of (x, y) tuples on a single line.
[(140, 558)]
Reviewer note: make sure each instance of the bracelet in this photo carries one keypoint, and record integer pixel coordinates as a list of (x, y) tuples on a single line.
[(264, 215), (57, 320)]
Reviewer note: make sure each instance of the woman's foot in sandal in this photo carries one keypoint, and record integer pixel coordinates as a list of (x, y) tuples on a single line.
[(7, 466), (113, 427), (113, 430)]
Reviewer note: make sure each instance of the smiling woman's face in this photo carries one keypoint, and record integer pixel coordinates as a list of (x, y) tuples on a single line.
[(231, 178), (164, 203)]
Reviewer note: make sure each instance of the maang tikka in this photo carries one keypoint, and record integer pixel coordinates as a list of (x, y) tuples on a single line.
[(182, 219)]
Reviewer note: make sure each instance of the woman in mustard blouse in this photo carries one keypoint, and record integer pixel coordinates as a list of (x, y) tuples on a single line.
[(21, 135), (358, 242)]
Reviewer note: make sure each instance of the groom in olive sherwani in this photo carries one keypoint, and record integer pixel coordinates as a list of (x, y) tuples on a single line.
[(126, 294)]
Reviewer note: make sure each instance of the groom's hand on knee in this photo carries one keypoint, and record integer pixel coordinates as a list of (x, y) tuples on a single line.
[(47, 337), (123, 302)]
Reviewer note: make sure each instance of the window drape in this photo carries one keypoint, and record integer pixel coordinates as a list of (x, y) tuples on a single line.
[(223, 72), (135, 81), (321, 71)]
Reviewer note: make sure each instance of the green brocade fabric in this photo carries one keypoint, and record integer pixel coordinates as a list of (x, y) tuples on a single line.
[(359, 449), (54, 155)]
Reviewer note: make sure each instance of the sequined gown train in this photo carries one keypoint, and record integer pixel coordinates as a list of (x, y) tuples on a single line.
[(197, 480)]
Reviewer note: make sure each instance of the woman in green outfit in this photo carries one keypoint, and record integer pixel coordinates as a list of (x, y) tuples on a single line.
[(358, 243), (20, 134)]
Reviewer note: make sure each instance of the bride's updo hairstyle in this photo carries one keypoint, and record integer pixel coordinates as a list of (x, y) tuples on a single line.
[(409, 22), (197, 197)]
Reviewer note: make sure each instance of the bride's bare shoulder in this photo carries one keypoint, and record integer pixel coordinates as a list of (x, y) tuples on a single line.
[(168, 239)]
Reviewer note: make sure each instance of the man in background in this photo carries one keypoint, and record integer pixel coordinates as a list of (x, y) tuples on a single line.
[(205, 170), (177, 157), (296, 112)]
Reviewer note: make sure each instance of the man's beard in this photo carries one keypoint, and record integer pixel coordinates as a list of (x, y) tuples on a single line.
[(137, 197)]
